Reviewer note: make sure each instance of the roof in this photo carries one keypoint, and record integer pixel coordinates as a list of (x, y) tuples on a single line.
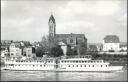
[(52, 18), (111, 39), (123, 44), (17, 44), (70, 35)]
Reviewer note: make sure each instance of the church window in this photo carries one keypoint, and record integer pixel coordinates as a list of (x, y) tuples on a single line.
[(71, 40)]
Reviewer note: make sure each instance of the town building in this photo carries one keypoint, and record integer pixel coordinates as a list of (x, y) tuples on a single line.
[(14, 50), (123, 46), (4, 44), (68, 39), (111, 43), (27, 51)]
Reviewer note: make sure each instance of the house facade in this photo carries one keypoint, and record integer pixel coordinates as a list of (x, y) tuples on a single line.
[(111, 43), (14, 50)]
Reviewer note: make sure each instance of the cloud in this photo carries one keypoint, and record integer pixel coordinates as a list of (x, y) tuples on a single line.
[(93, 18), (100, 7)]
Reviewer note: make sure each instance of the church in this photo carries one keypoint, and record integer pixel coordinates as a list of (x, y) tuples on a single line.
[(68, 39)]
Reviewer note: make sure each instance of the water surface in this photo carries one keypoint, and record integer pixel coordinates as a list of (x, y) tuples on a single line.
[(7, 75)]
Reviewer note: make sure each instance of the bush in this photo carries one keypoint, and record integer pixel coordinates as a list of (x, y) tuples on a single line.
[(40, 52), (56, 51)]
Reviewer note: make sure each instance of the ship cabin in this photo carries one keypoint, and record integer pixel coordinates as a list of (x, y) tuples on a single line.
[(85, 57), (71, 63), (30, 64)]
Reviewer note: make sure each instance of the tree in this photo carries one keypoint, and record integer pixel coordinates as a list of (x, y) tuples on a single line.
[(56, 51), (83, 48), (40, 51), (92, 48), (44, 43), (71, 51)]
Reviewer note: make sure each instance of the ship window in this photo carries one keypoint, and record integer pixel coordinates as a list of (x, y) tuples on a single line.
[(68, 65), (91, 61), (80, 65), (19, 65), (76, 61), (33, 65), (101, 65), (12, 65), (82, 61), (76, 65), (85, 61), (106, 65), (44, 65), (62, 61), (92, 65), (84, 65), (88, 65), (72, 65)]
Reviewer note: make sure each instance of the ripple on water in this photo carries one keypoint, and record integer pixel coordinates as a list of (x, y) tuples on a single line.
[(7, 75)]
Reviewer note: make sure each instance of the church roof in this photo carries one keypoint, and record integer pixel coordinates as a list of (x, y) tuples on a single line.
[(70, 35), (111, 39), (52, 18)]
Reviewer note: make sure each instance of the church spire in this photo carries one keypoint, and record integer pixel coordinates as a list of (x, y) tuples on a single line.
[(52, 18), (52, 26)]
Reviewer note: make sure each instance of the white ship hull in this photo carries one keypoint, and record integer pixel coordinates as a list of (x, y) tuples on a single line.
[(87, 69)]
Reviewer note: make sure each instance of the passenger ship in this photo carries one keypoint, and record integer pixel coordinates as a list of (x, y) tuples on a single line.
[(82, 63)]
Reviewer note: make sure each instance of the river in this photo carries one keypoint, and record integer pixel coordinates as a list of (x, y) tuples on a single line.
[(7, 75)]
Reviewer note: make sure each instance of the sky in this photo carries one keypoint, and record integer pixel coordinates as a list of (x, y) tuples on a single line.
[(28, 19)]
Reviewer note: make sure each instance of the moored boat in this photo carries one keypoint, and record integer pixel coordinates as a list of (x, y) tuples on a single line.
[(84, 63)]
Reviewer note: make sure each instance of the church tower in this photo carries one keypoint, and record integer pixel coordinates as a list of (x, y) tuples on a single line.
[(52, 26), (52, 31)]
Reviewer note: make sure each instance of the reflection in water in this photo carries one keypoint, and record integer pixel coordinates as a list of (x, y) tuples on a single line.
[(7, 75)]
